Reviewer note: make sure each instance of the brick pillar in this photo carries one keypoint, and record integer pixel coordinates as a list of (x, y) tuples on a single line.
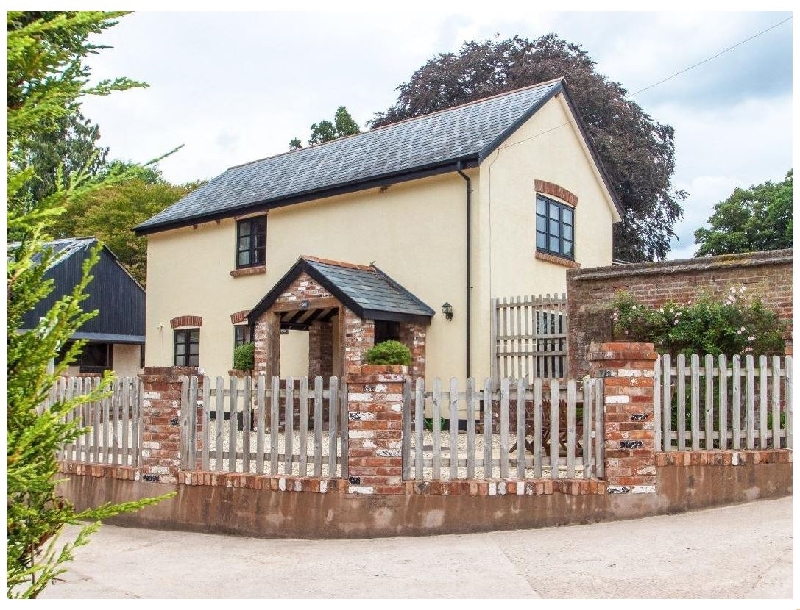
[(161, 427), (375, 429), (413, 337), (627, 372), (356, 336), (267, 345)]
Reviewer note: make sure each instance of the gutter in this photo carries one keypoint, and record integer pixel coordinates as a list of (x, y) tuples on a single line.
[(469, 266)]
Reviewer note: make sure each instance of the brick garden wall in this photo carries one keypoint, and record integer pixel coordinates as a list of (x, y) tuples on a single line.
[(767, 275)]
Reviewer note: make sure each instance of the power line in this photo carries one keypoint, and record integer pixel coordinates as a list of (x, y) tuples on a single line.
[(772, 27)]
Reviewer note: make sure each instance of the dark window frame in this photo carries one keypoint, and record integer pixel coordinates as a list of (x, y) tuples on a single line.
[(241, 335), (556, 225), (186, 337), (386, 330), (251, 242)]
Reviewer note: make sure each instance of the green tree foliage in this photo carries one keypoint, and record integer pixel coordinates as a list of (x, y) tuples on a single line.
[(758, 218), (325, 131), (637, 152), (110, 212), (735, 325), (46, 78)]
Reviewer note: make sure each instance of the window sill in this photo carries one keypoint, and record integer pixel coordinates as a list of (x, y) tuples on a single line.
[(259, 270), (557, 260)]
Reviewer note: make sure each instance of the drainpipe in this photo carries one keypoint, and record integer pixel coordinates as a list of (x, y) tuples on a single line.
[(469, 270)]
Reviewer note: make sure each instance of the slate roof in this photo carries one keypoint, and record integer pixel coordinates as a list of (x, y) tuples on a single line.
[(365, 290), (443, 141)]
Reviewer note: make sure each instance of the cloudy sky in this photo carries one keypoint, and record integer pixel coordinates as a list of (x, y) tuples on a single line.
[(236, 86)]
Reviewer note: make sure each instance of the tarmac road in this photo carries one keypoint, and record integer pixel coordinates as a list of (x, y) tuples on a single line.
[(733, 552)]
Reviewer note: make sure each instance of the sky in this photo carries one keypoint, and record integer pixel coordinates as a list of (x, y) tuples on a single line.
[(232, 87)]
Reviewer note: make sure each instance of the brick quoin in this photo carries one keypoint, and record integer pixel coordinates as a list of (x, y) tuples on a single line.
[(627, 371)]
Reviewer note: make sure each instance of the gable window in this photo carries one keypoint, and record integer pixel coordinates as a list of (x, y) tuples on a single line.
[(251, 242), (555, 227), (187, 347)]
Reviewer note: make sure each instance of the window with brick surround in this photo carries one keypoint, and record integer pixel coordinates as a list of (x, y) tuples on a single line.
[(251, 242), (555, 227), (241, 335), (187, 347)]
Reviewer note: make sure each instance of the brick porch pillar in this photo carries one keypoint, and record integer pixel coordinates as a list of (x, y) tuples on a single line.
[(627, 372), (375, 429), (161, 426)]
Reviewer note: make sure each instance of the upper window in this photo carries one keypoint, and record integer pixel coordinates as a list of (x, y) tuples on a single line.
[(251, 242), (187, 347), (555, 227)]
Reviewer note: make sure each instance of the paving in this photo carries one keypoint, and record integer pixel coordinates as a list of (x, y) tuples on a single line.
[(734, 552)]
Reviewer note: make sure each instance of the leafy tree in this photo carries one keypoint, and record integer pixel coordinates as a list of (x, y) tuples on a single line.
[(325, 131), (46, 78), (109, 213), (637, 152), (758, 218)]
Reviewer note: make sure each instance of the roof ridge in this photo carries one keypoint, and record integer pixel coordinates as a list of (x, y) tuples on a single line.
[(343, 264), (406, 120)]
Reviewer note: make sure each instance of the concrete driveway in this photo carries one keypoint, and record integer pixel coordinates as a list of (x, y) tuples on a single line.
[(742, 551)]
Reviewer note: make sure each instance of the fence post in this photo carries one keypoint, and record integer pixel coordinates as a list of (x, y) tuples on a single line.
[(161, 422), (628, 397), (375, 429)]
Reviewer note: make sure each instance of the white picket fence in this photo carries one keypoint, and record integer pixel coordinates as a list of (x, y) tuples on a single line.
[(255, 425), (721, 406), (529, 430), (112, 426)]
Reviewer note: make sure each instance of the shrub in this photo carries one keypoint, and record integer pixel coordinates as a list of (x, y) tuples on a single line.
[(244, 357), (736, 325), (389, 352)]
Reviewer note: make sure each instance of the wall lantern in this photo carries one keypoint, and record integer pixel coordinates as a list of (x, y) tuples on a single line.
[(447, 310)]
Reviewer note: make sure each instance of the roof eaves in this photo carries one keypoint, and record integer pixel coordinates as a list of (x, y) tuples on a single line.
[(398, 286)]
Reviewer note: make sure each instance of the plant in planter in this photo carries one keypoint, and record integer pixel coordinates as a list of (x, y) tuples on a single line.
[(388, 352), (244, 357)]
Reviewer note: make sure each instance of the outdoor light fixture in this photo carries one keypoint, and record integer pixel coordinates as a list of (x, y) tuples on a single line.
[(447, 310)]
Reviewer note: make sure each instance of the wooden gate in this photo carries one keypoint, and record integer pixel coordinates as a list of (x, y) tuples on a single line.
[(529, 337)]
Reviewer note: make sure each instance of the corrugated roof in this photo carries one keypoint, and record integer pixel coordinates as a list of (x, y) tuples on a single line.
[(366, 290), (62, 248), (465, 133)]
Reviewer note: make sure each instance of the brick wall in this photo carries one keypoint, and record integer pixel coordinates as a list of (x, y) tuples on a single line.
[(767, 275)]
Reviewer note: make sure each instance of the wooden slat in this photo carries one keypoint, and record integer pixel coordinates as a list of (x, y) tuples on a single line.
[(723, 402), (220, 396), (437, 429), (333, 418), (657, 382), (261, 388), (419, 425), (125, 419), (537, 428), (493, 339), (406, 441), (191, 420), (107, 429), (344, 420), (487, 430), (274, 423), (789, 404), (776, 403), (554, 398), (709, 410), (184, 424), (470, 428), (666, 403), (247, 405), (116, 399), (736, 403), (303, 449), (763, 401), (206, 455), (504, 443), (233, 421), (695, 372), (599, 429), (588, 465), (289, 426), (97, 408), (453, 423), (521, 389), (318, 426), (571, 429), (681, 423), (751, 395)]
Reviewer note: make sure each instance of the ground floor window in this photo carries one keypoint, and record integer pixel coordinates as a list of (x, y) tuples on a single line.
[(187, 347), (241, 335), (386, 330)]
